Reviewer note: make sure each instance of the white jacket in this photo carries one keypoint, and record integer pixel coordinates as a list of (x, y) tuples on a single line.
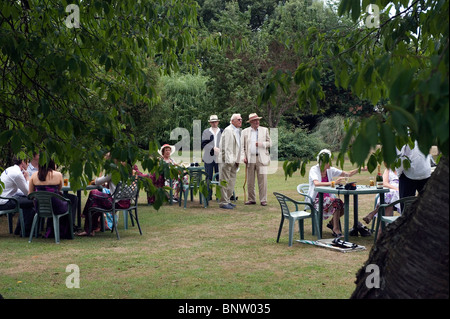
[(314, 174)]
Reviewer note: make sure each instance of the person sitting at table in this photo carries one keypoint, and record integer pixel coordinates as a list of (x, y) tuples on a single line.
[(15, 184), (322, 174), (391, 181), (166, 152), (48, 179), (33, 165), (101, 199), (156, 182)]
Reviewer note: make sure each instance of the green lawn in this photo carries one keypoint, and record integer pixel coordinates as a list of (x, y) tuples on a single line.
[(188, 253)]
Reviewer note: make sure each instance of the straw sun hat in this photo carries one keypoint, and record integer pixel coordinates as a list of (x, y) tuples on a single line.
[(172, 149), (213, 118), (253, 116)]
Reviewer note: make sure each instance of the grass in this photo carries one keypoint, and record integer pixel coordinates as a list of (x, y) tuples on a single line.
[(188, 253)]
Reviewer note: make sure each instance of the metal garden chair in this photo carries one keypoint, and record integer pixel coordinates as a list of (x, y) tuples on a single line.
[(303, 190), (123, 192), (196, 178), (10, 213), (44, 209), (296, 215), (383, 220)]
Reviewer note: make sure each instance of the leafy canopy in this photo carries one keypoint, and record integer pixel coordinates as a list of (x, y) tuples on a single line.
[(401, 66), (62, 88)]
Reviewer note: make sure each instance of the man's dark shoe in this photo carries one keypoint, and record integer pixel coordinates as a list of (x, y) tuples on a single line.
[(226, 206)]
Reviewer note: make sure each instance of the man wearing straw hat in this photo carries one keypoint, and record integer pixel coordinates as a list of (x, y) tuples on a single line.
[(210, 146), (255, 144), (230, 157)]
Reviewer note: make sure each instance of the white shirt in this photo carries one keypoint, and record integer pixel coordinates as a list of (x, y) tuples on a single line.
[(216, 140), (13, 181), (315, 174), (31, 169), (237, 133), (420, 164), (253, 140)]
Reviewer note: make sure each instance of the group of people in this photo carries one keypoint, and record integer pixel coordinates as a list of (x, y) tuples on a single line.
[(224, 150), (402, 182), (23, 178)]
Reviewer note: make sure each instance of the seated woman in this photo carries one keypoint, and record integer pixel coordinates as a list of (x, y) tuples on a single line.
[(166, 152), (391, 181), (102, 200), (49, 180), (156, 182), (322, 174)]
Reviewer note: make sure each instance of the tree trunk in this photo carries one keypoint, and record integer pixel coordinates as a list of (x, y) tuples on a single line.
[(412, 254)]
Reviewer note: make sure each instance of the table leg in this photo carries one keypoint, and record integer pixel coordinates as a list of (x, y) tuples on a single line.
[(355, 211), (79, 208), (346, 215), (320, 217)]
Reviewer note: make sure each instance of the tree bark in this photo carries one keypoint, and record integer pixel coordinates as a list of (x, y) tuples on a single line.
[(412, 253)]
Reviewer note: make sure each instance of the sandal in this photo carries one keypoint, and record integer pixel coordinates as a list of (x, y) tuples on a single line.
[(364, 231), (337, 235)]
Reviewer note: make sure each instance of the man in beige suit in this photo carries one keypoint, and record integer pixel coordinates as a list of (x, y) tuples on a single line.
[(255, 145), (230, 157)]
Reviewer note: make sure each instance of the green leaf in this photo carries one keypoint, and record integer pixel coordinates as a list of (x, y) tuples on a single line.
[(371, 131), (356, 10), (388, 141), (360, 149), (372, 163), (401, 86)]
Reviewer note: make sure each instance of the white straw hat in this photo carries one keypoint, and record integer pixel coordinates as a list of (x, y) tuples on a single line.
[(172, 149), (253, 116), (213, 118)]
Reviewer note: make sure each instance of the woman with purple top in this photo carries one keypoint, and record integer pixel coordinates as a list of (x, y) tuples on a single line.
[(48, 179)]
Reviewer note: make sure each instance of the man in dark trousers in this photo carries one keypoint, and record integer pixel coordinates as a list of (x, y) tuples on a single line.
[(15, 184), (210, 146)]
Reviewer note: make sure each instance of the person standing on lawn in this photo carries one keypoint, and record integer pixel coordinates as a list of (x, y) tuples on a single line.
[(255, 144), (211, 147), (230, 157)]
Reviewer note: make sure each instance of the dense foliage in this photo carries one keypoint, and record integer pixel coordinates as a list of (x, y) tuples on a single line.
[(400, 66), (74, 93)]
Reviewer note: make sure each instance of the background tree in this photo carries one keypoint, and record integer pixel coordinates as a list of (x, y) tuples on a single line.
[(185, 98), (62, 88)]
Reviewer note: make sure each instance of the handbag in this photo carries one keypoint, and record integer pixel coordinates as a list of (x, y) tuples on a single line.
[(350, 186)]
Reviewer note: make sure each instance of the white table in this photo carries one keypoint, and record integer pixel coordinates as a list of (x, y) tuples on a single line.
[(360, 190)]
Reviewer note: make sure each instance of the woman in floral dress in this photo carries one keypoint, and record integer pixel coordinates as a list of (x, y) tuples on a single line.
[(322, 174)]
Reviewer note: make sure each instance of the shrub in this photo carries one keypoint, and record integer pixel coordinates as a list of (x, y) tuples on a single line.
[(297, 143)]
